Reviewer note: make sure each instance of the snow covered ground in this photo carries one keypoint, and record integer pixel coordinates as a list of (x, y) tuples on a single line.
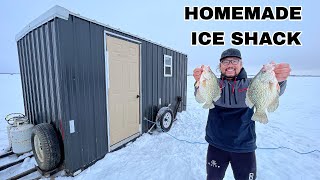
[(295, 124)]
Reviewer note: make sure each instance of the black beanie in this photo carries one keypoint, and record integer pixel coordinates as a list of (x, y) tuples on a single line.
[(231, 52)]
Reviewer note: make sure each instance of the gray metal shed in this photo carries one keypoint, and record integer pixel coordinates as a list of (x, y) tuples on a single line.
[(85, 78)]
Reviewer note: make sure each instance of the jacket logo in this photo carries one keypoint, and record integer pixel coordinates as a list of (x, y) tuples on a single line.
[(242, 90), (213, 163), (251, 176)]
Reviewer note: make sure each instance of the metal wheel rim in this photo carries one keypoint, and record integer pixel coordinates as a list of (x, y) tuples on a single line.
[(167, 120), (38, 148)]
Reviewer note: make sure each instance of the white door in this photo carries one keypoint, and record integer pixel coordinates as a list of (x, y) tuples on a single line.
[(123, 100)]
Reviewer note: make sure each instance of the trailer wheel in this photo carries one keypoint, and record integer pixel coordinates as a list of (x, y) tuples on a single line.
[(165, 119), (45, 146)]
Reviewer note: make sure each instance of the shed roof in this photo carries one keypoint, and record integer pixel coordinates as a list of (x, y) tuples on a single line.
[(63, 13)]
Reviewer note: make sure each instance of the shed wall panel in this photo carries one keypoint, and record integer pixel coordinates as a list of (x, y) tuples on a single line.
[(39, 70), (154, 80), (62, 64), (82, 48), (145, 124)]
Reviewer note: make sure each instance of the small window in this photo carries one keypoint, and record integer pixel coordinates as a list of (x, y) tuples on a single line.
[(167, 61)]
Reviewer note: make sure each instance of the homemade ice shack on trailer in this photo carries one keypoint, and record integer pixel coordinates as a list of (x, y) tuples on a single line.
[(94, 84)]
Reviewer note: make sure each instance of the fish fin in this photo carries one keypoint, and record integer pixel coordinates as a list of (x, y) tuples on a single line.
[(278, 88), (260, 116), (217, 94), (248, 101), (208, 106), (197, 84), (199, 98), (273, 105), (216, 98), (272, 84), (204, 83)]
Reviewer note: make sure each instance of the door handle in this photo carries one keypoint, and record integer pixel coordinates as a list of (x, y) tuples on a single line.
[(138, 96)]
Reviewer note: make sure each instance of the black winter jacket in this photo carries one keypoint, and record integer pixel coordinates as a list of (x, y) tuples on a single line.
[(229, 126)]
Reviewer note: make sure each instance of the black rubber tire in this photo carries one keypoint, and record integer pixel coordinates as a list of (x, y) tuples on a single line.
[(162, 120), (45, 134)]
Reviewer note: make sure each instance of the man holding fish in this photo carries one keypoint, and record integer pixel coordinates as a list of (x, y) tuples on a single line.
[(235, 102)]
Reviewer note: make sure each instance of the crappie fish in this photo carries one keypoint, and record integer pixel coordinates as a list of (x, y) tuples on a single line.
[(209, 90), (263, 93)]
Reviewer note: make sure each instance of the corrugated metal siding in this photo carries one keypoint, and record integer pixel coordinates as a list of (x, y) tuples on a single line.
[(63, 78), (184, 80), (155, 85), (40, 77), (82, 52)]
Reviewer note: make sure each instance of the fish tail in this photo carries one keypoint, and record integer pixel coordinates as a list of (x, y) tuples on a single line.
[(260, 116), (248, 101), (208, 106), (199, 98), (216, 97)]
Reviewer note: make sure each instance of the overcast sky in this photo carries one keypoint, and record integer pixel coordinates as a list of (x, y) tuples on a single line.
[(163, 22)]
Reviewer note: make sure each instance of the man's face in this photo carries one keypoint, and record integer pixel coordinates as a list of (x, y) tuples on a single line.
[(230, 66)]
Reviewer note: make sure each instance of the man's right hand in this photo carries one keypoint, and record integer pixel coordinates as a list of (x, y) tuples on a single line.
[(197, 73)]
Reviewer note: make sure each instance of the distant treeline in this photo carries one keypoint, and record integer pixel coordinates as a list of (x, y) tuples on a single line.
[(9, 73), (305, 75)]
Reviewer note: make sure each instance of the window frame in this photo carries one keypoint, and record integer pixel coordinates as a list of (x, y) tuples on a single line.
[(164, 65)]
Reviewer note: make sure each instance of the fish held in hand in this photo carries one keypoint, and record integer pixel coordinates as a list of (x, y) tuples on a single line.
[(209, 90), (263, 93)]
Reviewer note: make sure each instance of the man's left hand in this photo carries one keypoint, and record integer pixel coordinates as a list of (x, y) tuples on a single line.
[(282, 71)]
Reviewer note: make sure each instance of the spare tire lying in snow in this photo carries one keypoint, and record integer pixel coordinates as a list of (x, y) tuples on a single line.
[(45, 146)]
